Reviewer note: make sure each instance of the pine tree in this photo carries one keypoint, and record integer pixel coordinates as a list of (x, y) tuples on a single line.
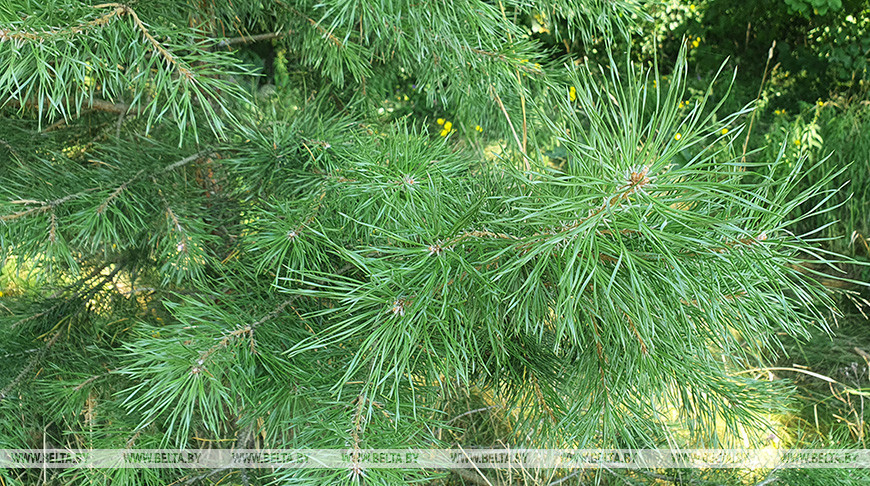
[(524, 248)]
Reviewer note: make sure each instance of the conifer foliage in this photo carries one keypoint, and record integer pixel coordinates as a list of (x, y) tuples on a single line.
[(190, 261)]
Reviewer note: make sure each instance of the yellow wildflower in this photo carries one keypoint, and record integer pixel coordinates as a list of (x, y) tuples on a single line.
[(444, 132), (724, 131), (440, 121), (448, 126), (572, 93), (477, 127), (797, 142), (678, 136)]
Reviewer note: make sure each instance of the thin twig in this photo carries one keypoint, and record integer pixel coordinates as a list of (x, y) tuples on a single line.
[(464, 414), (118, 124), (117, 192), (541, 401), (474, 478), (9, 147), (252, 38), (21, 35), (244, 436), (767, 481), (760, 88), (523, 105), (643, 349), (186, 161), (56, 125), (483, 476), (126, 10), (52, 228), (560, 481), (90, 380), (636, 182), (27, 369), (827, 379), (45, 206), (108, 106), (92, 103), (249, 329), (329, 35), (511, 125), (77, 295)]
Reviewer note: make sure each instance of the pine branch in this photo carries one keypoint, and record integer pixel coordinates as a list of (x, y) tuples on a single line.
[(91, 380), (117, 192), (50, 205), (44, 206), (249, 329), (513, 130), (185, 161), (9, 35), (12, 150), (470, 412), (79, 294), (329, 35), (92, 103), (27, 369), (119, 108), (252, 38), (170, 59)]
